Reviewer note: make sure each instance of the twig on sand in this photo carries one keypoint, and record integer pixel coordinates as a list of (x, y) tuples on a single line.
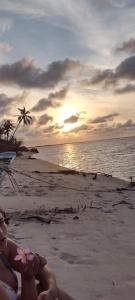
[(68, 210), (130, 205)]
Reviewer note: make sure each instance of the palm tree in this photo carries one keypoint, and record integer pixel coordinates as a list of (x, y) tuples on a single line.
[(23, 117), (7, 127)]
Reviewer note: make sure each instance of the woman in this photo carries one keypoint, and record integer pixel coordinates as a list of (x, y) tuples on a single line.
[(30, 265)]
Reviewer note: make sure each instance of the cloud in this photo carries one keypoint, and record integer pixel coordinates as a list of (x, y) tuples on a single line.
[(104, 119), (25, 73), (129, 88), (5, 47), (125, 70), (122, 3), (83, 127), (72, 119), (53, 100), (114, 128), (127, 46), (128, 124), (57, 126), (101, 76), (49, 129), (91, 33), (44, 119), (125, 125), (7, 102)]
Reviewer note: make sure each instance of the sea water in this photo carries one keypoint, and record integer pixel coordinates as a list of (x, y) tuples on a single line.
[(114, 156)]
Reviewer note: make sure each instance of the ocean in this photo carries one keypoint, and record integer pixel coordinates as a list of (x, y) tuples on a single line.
[(114, 156)]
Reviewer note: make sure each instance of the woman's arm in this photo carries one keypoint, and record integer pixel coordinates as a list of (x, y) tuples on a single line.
[(47, 279), (47, 283)]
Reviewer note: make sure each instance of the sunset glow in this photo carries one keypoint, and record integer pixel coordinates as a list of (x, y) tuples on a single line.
[(77, 76), (65, 112), (69, 127)]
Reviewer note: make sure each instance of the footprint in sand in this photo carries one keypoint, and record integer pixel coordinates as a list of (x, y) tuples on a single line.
[(69, 258), (74, 259)]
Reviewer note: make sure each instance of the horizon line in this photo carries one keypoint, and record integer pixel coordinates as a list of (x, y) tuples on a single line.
[(78, 142)]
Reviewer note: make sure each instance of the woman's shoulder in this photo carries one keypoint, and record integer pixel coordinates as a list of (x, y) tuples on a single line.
[(11, 248)]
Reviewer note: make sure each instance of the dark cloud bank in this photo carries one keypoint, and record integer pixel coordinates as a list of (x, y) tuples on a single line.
[(125, 70), (103, 119), (26, 74), (53, 100), (127, 46)]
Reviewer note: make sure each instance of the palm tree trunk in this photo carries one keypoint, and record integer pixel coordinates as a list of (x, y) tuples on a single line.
[(15, 130)]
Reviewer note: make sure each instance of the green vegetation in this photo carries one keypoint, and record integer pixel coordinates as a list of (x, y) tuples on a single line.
[(8, 142)]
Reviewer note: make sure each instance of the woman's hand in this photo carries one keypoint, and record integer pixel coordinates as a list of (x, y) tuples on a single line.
[(30, 264), (50, 294), (34, 268), (24, 261)]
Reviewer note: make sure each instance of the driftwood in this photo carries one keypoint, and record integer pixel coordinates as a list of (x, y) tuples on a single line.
[(122, 189), (95, 207), (68, 210), (50, 214), (65, 172), (39, 218)]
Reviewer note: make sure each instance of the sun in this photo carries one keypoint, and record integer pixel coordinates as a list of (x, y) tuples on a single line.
[(68, 127), (66, 112)]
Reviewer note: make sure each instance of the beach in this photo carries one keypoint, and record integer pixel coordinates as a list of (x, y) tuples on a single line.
[(83, 223)]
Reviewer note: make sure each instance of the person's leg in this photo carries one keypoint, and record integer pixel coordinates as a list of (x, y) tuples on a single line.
[(43, 279), (62, 295), (28, 289)]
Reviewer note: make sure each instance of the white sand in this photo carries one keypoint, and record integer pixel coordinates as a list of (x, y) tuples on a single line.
[(93, 255)]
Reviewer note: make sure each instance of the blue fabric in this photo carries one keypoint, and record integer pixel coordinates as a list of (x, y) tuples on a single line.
[(11, 292)]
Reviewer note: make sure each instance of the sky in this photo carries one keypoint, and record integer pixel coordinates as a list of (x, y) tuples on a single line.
[(72, 65)]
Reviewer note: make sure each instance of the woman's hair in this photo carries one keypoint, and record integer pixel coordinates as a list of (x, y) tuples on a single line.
[(2, 211)]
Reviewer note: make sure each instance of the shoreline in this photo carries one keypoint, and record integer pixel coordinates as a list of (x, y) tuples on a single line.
[(84, 225), (35, 179)]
